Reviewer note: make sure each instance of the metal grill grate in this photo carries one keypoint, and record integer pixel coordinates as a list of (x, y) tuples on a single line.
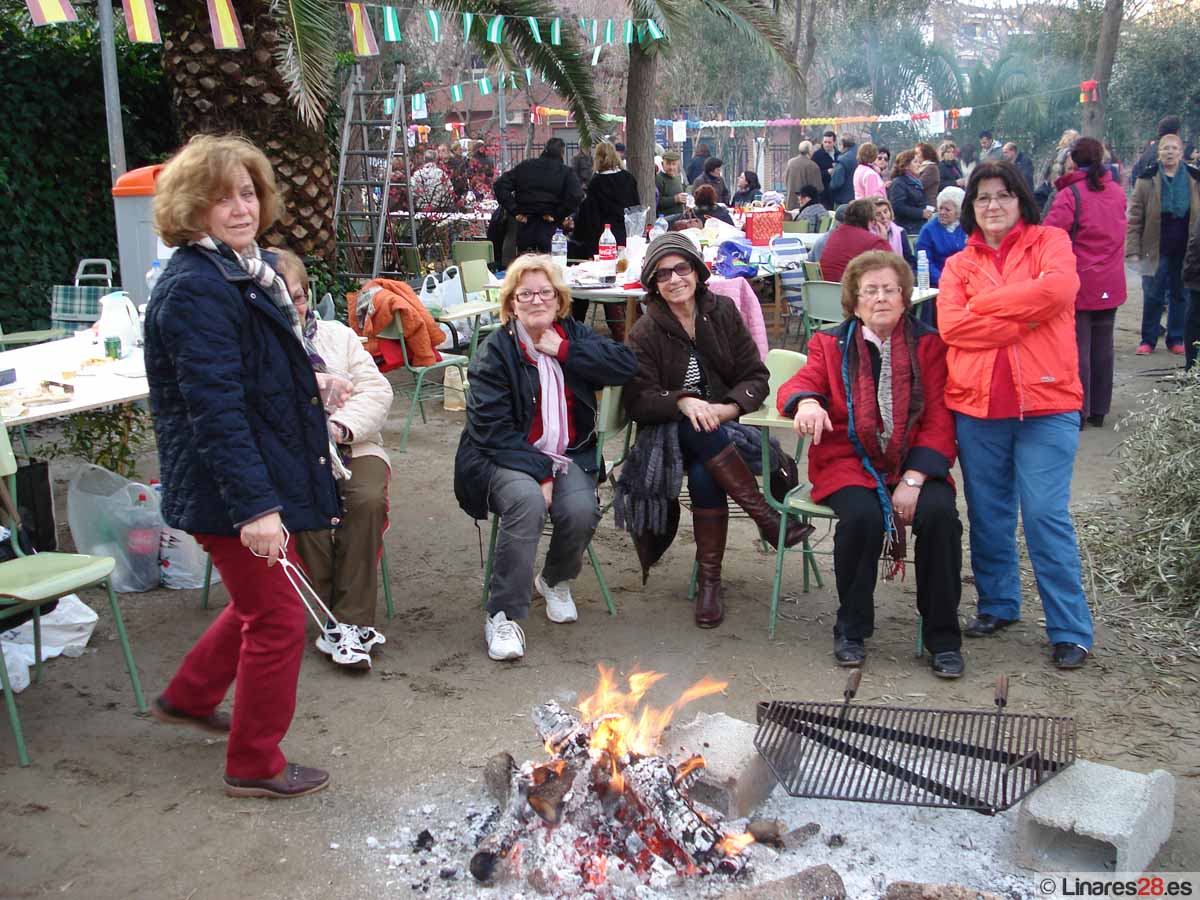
[(979, 760)]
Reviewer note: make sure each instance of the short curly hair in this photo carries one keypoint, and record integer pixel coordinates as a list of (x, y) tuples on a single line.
[(198, 175), (872, 261), (524, 265)]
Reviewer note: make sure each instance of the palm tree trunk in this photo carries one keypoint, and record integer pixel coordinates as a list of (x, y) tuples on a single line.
[(217, 91), (639, 119), (1106, 52)]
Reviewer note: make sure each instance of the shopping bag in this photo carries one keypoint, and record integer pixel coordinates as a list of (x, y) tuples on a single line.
[(763, 224), (112, 516), (182, 561), (733, 259)]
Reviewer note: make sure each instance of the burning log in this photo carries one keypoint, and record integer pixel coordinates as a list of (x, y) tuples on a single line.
[(497, 845), (652, 781), (562, 733), (551, 785)]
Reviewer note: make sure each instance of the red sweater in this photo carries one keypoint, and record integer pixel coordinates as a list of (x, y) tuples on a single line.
[(845, 243)]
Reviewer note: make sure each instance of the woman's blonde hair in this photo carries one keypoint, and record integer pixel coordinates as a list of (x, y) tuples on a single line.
[(605, 157), (198, 175), (288, 263), (525, 265), (872, 261), (946, 145)]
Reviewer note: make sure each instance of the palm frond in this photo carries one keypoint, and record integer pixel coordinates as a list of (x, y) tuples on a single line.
[(756, 21), (304, 55)]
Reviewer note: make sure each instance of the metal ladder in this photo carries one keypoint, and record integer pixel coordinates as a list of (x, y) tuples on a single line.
[(373, 242)]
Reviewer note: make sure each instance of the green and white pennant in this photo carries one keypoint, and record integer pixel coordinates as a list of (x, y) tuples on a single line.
[(608, 31), (485, 86), (456, 93), (629, 31), (655, 32), (434, 18), (556, 32), (468, 21), (495, 29), (391, 24), (535, 29)]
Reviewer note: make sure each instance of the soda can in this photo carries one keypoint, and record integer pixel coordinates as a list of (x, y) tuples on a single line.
[(112, 347)]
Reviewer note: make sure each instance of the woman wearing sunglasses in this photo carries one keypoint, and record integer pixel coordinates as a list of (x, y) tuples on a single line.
[(529, 445), (698, 369)]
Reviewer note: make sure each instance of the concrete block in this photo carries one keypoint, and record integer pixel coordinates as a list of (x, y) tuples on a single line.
[(735, 779), (909, 890), (816, 883), (1095, 818)]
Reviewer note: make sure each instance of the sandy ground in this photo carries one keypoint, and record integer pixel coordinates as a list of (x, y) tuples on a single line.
[(117, 806)]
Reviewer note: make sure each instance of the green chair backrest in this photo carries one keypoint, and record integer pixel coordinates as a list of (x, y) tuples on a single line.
[(912, 243), (804, 226), (782, 365), (812, 270), (475, 275), (8, 459), (462, 251), (823, 301), (827, 221), (411, 258), (611, 421)]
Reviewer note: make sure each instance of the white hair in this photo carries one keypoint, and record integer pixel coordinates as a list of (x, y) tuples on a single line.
[(954, 194)]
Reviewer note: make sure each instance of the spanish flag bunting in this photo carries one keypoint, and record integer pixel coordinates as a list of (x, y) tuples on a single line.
[(50, 12), (456, 93), (435, 25), (226, 30), (362, 36), (391, 25), (535, 29), (655, 31), (556, 32), (495, 28), (468, 21), (141, 22), (608, 31)]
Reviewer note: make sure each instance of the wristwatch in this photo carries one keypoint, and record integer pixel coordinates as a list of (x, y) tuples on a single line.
[(912, 482)]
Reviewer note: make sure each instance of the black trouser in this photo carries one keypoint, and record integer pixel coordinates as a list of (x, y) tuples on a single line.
[(858, 541), (535, 235)]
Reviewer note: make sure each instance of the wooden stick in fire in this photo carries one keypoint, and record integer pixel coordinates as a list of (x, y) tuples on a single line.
[(497, 845)]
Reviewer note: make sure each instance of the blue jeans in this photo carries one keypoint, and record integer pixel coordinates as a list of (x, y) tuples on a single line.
[(1164, 288), (1008, 463), (698, 447)]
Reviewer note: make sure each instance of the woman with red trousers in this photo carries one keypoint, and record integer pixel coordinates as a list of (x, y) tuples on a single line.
[(244, 449), (1090, 207)]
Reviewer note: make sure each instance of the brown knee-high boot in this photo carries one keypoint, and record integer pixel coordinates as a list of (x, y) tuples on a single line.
[(729, 470), (710, 526)]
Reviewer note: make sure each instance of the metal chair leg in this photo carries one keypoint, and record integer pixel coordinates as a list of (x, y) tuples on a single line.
[(487, 566), (920, 636), (13, 719), (612, 609), (37, 644), (780, 550), (387, 582), (692, 583), (409, 418), (207, 581), (129, 663), (419, 396)]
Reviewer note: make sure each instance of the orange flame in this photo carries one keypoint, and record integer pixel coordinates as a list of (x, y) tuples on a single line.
[(733, 844), (619, 726), (688, 766)]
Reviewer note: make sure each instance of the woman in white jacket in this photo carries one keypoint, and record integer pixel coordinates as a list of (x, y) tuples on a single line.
[(343, 563)]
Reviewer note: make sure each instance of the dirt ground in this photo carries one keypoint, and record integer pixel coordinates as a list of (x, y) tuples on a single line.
[(117, 806)]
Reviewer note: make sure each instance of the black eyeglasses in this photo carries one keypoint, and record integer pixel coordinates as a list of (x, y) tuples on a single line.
[(663, 275)]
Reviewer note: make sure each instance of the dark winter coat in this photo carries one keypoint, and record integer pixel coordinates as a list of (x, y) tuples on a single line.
[(907, 196), (503, 400), (732, 366), (608, 195), (834, 463), (718, 185), (949, 172), (825, 160), (239, 422), (841, 183), (1025, 166), (695, 167), (544, 186)]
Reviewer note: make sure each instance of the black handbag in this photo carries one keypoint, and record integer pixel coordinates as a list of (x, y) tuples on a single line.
[(35, 497)]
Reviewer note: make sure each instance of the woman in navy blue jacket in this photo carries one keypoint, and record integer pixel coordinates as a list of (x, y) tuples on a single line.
[(244, 450)]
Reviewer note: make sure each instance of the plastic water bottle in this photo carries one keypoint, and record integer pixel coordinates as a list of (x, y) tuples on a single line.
[(659, 227), (558, 250), (152, 276), (922, 271), (608, 251)]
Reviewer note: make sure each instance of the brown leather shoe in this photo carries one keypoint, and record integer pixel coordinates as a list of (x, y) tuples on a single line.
[(216, 722), (711, 527), (293, 781), (730, 471)]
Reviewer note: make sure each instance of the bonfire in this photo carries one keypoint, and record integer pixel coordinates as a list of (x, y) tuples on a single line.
[(606, 808)]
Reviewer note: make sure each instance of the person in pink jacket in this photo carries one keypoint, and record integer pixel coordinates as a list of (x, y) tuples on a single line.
[(1090, 207), (867, 180)]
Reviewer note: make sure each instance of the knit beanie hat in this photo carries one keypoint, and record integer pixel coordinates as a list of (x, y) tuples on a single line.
[(665, 245)]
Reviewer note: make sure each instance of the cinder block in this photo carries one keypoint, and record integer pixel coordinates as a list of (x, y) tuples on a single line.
[(735, 779), (1094, 818)]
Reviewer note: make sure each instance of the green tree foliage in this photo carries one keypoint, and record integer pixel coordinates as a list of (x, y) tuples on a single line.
[(55, 187), (1156, 74)]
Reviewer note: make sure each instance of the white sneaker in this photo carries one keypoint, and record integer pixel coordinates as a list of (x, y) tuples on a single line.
[(560, 607), (369, 637), (505, 639), (341, 644)]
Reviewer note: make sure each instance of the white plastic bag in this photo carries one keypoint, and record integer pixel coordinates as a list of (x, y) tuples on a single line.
[(452, 287), (65, 632), (111, 516), (182, 561)]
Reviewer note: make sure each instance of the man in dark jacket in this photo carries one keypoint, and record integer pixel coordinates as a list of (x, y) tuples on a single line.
[(539, 194), (841, 183), (695, 166), (672, 193), (825, 156), (1023, 163), (712, 177)]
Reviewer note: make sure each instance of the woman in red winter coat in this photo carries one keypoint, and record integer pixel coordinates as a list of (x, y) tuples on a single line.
[(872, 397), (1090, 207)]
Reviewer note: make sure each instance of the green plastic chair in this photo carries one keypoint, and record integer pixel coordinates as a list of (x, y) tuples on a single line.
[(803, 226), (912, 243), (812, 270), (822, 306), (25, 338), (29, 582), (384, 578), (463, 251), (418, 390), (612, 424), (826, 222)]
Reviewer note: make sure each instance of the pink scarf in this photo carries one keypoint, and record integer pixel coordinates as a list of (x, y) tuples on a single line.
[(553, 402)]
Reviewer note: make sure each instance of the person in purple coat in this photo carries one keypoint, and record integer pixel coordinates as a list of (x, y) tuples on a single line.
[(1090, 207)]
